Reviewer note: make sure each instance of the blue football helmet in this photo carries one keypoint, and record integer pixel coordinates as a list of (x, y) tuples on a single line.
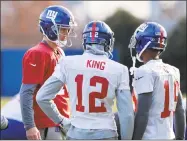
[(98, 32), (54, 18), (148, 35)]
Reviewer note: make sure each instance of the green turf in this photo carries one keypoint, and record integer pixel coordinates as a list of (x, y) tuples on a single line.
[(4, 101)]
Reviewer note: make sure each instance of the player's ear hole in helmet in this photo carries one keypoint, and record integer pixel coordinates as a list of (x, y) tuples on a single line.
[(100, 34), (57, 25)]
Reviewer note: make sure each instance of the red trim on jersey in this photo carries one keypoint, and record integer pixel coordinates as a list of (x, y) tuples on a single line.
[(161, 37), (134, 99), (93, 31)]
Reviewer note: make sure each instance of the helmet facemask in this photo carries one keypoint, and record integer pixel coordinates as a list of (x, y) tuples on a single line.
[(108, 45), (132, 46), (56, 28), (111, 47)]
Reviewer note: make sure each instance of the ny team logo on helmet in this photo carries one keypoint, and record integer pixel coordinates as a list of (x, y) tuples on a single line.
[(148, 35), (98, 32), (54, 18), (51, 14)]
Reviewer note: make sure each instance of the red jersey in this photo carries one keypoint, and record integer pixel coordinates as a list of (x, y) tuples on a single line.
[(38, 65)]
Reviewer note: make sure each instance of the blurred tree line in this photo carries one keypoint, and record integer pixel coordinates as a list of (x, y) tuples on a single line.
[(124, 24), (20, 23)]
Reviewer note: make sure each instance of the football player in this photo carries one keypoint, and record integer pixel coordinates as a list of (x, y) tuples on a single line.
[(118, 124), (95, 81), (56, 24), (184, 104), (12, 112), (157, 85), (4, 122)]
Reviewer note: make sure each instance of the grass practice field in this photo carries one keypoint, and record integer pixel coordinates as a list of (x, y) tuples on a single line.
[(4, 101)]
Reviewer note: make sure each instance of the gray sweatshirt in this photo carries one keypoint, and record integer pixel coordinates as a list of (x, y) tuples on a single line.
[(26, 103)]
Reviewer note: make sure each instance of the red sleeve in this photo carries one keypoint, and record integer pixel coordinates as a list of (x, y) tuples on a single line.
[(33, 67)]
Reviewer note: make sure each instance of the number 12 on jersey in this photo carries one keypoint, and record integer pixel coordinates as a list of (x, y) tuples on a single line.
[(93, 95)]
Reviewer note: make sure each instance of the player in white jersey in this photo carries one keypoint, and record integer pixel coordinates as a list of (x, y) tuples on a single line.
[(157, 85), (94, 81), (12, 112), (4, 122), (12, 127)]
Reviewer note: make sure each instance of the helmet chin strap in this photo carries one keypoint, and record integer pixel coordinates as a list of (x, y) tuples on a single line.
[(133, 68), (138, 56), (67, 43), (60, 43), (110, 55)]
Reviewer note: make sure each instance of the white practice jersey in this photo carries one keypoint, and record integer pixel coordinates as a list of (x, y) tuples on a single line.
[(92, 82), (12, 109), (163, 81), (184, 103)]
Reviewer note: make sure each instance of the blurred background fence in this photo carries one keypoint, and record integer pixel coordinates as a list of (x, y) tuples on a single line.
[(19, 31)]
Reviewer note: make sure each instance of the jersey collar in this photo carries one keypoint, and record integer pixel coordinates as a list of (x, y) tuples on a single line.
[(86, 52), (153, 61)]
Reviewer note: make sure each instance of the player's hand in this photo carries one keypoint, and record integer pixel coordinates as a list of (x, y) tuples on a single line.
[(33, 134), (65, 125)]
